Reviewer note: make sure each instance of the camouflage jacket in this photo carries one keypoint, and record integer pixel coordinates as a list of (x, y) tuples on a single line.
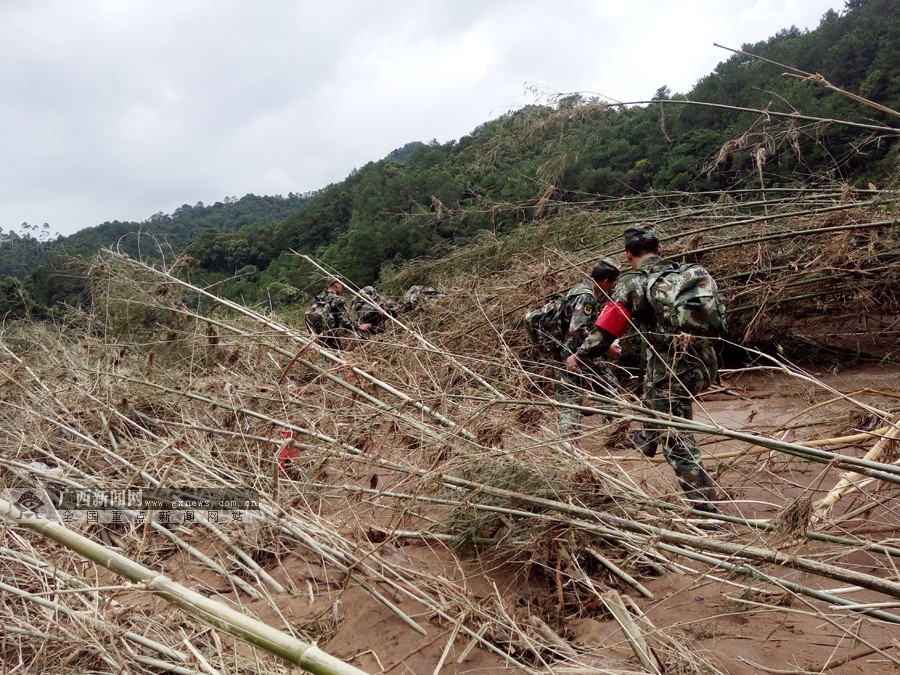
[(579, 314), (665, 358), (338, 307), (367, 313)]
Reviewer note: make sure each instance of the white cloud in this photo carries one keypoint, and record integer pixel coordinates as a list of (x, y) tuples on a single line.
[(116, 110)]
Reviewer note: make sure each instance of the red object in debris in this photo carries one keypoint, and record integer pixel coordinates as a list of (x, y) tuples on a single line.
[(288, 452)]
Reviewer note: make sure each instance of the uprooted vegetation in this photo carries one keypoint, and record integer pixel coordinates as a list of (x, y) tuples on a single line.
[(424, 492)]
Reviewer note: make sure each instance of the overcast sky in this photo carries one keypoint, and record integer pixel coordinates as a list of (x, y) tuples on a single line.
[(119, 109)]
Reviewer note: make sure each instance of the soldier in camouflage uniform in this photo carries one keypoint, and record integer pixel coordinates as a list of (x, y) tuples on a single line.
[(337, 318), (368, 312), (579, 314), (674, 371)]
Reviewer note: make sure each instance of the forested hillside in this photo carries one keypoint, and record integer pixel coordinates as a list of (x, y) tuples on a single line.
[(757, 123), (53, 277), (187, 222)]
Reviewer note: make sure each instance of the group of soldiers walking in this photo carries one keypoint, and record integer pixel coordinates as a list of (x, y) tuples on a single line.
[(595, 313), (676, 369), (329, 317)]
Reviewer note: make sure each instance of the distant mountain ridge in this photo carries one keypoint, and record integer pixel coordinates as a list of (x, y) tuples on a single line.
[(21, 252), (187, 222)]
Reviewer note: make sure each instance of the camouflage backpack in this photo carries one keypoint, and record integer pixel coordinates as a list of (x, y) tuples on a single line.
[(390, 307), (319, 319), (415, 296), (367, 296), (545, 326), (686, 299)]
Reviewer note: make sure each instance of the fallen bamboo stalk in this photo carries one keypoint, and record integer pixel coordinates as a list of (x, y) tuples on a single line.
[(847, 482), (814, 78), (30, 632), (766, 113), (165, 666), (425, 535), (754, 573), (212, 612), (868, 605), (818, 79), (792, 233), (619, 572), (633, 633), (817, 443)]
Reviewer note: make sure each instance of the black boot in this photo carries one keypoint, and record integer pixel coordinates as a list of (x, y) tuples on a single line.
[(638, 441), (706, 507)]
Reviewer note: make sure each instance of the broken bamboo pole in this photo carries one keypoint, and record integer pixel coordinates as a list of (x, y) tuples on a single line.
[(849, 480), (212, 612)]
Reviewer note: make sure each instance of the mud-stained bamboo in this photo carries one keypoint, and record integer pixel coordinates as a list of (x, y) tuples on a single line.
[(215, 613)]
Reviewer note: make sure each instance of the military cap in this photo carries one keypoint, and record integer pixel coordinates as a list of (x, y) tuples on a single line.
[(608, 264), (603, 268), (368, 290), (639, 233)]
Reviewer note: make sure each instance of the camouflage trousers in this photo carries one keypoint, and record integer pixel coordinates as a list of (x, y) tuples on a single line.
[(570, 389), (668, 396)]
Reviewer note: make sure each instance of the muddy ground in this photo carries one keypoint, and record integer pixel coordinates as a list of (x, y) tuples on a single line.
[(726, 622)]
